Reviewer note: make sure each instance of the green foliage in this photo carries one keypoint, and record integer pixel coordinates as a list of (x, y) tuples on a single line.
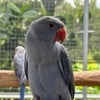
[(96, 57), (31, 14), (14, 21), (11, 6), (90, 90)]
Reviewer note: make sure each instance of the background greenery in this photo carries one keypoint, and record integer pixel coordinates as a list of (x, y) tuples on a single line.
[(15, 17)]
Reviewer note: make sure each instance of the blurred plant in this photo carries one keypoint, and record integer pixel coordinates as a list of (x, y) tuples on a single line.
[(96, 57), (14, 20), (92, 65)]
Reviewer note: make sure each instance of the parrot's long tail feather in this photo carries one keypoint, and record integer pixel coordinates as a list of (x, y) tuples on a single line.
[(22, 92)]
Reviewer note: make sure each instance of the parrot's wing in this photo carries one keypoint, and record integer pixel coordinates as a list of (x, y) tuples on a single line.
[(66, 71), (26, 66), (18, 67), (19, 60)]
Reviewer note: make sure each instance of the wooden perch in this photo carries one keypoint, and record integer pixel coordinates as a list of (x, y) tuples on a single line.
[(8, 79), (85, 78)]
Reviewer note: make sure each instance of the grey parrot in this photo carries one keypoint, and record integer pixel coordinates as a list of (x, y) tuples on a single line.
[(19, 68), (50, 72)]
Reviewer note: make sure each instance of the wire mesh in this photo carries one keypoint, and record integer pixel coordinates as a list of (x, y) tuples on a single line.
[(15, 17)]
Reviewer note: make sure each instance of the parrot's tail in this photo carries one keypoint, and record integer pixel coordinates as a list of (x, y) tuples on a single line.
[(22, 92)]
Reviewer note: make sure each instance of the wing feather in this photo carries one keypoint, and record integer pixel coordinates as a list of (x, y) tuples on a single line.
[(66, 71)]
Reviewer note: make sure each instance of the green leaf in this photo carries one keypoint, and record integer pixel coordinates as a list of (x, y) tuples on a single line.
[(25, 7), (1, 15), (43, 11), (13, 7), (3, 36), (2, 42), (31, 14)]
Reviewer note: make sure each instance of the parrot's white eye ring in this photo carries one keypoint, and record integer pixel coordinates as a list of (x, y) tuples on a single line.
[(51, 25)]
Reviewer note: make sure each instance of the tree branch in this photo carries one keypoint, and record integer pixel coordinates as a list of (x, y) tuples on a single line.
[(84, 78)]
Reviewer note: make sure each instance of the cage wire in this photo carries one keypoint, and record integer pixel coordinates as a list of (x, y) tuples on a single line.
[(16, 17)]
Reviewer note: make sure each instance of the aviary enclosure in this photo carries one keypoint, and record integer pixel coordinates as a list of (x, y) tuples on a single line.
[(15, 16)]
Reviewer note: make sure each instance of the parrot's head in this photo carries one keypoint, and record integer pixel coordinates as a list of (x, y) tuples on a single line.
[(19, 49), (48, 28)]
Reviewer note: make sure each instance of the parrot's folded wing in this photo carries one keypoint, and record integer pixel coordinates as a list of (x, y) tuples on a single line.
[(26, 66), (19, 61), (18, 68), (66, 71)]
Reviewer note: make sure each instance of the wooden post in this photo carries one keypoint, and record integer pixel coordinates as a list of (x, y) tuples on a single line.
[(84, 78)]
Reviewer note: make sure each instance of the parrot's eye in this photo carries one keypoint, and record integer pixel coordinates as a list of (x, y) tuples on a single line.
[(51, 25)]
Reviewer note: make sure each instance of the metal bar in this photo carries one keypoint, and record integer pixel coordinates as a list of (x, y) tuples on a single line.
[(15, 95), (85, 43)]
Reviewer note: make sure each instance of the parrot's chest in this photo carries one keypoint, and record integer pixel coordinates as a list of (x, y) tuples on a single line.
[(49, 54)]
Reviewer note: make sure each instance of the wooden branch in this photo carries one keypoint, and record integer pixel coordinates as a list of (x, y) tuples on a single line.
[(86, 78), (8, 79)]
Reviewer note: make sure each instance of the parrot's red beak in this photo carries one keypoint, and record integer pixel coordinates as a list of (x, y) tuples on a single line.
[(60, 35)]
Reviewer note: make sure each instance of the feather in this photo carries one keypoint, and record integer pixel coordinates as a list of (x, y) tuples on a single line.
[(65, 68)]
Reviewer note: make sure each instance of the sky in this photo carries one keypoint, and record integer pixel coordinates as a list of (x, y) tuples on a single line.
[(97, 2), (71, 1)]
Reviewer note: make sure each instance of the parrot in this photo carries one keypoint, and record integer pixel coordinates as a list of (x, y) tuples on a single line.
[(50, 73), (19, 68)]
